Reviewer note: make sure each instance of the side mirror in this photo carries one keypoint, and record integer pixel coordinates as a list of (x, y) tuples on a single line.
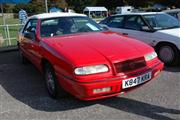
[(30, 35)]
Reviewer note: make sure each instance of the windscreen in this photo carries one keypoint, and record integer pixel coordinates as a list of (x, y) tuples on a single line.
[(162, 21), (68, 25)]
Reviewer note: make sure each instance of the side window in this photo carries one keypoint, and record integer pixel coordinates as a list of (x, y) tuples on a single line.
[(49, 27), (30, 26), (134, 23), (178, 15), (116, 22), (140, 21), (174, 15)]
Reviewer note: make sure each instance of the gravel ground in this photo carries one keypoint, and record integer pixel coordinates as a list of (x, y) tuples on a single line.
[(23, 97)]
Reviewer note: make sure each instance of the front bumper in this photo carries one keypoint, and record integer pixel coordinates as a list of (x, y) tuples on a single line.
[(84, 91)]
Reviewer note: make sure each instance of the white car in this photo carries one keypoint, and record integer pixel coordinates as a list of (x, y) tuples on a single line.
[(157, 29)]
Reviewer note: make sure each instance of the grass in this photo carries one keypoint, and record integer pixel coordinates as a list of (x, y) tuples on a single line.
[(9, 21), (13, 30)]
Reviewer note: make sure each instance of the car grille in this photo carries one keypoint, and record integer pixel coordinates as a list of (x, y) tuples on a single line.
[(130, 65)]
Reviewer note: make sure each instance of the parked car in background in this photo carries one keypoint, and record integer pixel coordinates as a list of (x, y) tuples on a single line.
[(78, 56), (157, 29), (173, 12), (71, 11), (124, 9), (1, 40)]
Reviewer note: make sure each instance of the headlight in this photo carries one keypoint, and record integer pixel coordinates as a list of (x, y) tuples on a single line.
[(91, 70), (150, 56)]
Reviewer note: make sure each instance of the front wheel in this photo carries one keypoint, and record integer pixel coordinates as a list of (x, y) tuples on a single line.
[(52, 84), (168, 54)]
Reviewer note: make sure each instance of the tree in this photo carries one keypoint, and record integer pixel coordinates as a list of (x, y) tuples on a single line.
[(7, 8), (112, 4), (79, 5), (38, 6), (35, 6), (169, 3), (58, 3)]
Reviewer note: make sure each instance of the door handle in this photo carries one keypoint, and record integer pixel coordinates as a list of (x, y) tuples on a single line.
[(125, 33)]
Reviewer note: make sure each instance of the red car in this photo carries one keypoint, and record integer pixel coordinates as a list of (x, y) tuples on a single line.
[(78, 56)]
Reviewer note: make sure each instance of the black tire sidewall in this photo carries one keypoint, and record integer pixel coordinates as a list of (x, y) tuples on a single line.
[(54, 93), (175, 51)]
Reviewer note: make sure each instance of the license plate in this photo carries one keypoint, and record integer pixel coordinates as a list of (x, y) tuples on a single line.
[(136, 80)]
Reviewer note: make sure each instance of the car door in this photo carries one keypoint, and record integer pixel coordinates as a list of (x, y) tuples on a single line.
[(29, 44), (137, 28), (133, 26)]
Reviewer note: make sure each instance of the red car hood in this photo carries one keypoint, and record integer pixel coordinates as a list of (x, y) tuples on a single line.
[(97, 47)]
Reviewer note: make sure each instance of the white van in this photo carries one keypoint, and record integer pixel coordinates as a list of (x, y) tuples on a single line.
[(124, 9)]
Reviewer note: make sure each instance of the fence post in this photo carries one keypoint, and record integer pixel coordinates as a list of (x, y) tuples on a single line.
[(9, 39), (4, 22), (1, 40), (5, 32)]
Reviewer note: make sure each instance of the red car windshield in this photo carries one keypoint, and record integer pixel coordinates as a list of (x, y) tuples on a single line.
[(68, 25)]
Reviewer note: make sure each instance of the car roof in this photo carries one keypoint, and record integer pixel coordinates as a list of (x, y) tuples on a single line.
[(55, 14), (172, 10), (140, 13)]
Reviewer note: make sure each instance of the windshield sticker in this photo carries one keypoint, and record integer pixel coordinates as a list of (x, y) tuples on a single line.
[(92, 27)]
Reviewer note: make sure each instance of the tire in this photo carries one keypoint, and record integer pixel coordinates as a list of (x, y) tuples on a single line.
[(52, 85), (169, 54)]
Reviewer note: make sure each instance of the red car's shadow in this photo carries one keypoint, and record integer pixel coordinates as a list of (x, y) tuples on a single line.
[(25, 84), (172, 69)]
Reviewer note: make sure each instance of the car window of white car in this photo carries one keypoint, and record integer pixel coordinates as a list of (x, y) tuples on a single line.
[(135, 23), (174, 15), (116, 22), (161, 21), (178, 15)]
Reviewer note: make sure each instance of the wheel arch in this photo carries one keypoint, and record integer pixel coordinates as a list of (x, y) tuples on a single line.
[(60, 91), (164, 42), (44, 61), (175, 49)]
